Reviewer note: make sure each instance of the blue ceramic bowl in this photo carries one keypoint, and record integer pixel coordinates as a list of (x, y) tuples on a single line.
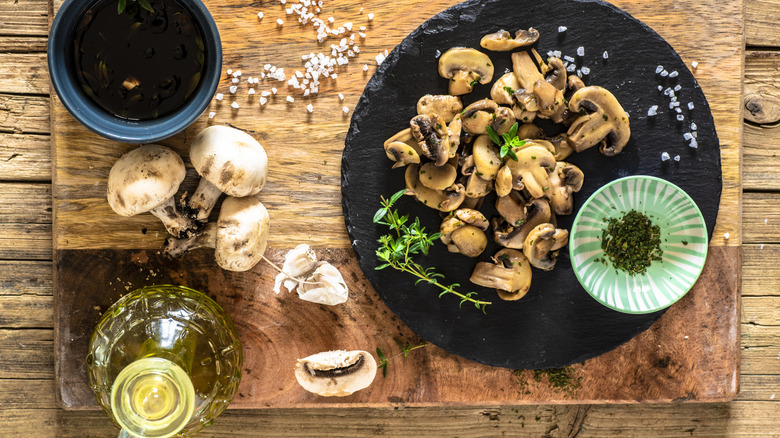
[(63, 76)]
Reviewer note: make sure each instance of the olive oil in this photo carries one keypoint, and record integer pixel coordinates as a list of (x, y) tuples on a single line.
[(164, 358), (139, 64)]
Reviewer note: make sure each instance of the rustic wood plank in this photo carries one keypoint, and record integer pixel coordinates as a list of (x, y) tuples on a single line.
[(24, 114), (25, 241), (22, 44), (25, 203), (762, 109), (25, 17), (761, 18), (24, 73), (25, 157), (761, 310), (26, 354), (760, 276), (760, 388), (26, 311), (760, 349), (761, 218), (25, 278), (27, 393)]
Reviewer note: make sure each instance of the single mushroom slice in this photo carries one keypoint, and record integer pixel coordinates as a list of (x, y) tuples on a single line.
[(455, 127), (476, 187), (526, 70), (513, 235), (502, 40), (336, 373), (477, 116), (486, 158), (542, 245), (445, 106), (503, 120), (552, 104), (462, 237), (504, 89), (605, 122), (503, 183), (229, 161), (146, 179), (532, 165), (556, 75), (564, 180), (575, 83), (513, 208), (465, 67), (510, 274), (561, 145), (437, 177), (403, 148), (529, 131), (432, 136), (239, 237), (443, 200)]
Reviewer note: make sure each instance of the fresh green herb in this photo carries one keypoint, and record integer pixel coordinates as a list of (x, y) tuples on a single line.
[(508, 141), (474, 82), (120, 7), (631, 242), (509, 90), (404, 351), (410, 239)]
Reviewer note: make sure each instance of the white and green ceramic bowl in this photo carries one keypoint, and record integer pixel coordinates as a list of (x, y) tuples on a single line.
[(683, 241)]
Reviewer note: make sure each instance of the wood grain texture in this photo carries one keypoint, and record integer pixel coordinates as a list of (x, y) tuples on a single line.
[(24, 114), (761, 22), (27, 73), (24, 17), (761, 218), (25, 157)]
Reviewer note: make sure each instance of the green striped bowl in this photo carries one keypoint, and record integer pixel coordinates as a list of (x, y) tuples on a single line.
[(683, 241)]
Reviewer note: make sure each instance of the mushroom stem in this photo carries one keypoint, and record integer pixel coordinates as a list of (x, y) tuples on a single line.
[(206, 237), (203, 200), (176, 223)]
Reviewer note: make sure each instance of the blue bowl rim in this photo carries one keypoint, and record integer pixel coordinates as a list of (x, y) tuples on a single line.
[(98, 120)]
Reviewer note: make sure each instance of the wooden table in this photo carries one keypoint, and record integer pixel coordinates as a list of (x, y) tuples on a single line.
[(26, 303)]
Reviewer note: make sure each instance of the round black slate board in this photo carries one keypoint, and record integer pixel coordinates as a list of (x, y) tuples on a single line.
[(557, 323)]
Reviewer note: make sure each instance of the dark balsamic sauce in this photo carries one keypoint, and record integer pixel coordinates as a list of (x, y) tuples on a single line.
[(137, 64)]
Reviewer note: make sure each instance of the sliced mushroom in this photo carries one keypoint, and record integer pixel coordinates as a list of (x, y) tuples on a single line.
[(526, 70), (510, 274), (455, 127), (561, 145), (557, 74), (477, 116), (444, 105), (551, 102), (575, 83), (432, 136), (462, 238), (503, 120), (532, 165), (564, 180), (336, 373), (542, 244), (513, 208), (605, 123), (476, 187), (404, 137), (229, 161), (472, 217), (529, 131), (465, 68), (146, 179), (502, 40), (504, 88), (513, 236), (437, 177), (239, 236), (442, 200), (503, 184), (486, 158)]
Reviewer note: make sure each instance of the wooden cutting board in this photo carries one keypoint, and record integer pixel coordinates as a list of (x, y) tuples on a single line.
[(690, 354)]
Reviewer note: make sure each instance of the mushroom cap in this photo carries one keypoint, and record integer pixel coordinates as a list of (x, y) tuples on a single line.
[(401, 153), (510, 274), (477, 116), (242, 233), (532, 164), (502, 41), (463, 66), (437, 177), (444, 105), (564, 180), (606, 123), (469, 240), (230, 159), (504, 89), (448, 199), (542, 244), (557, 74), (336, 373), (514, 235), (144, 178)]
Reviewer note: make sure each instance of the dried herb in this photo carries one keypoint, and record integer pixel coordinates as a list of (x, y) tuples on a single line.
[(632, 242), (404, 351), (410, 239)]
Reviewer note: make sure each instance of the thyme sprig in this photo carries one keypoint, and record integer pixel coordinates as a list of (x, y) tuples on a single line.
[(404, 351), (507, 141), (410, 239), (120, 7)]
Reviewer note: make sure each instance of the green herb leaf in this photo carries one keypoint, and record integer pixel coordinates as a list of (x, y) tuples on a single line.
[(145, 4), (511, 154), (379, 215), (493, 136), (120, 6), (513, 130)]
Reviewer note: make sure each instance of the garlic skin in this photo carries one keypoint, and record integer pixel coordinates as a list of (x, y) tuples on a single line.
[(330, 290), (298, 263)]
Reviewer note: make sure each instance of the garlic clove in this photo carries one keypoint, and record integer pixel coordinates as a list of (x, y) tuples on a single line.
[(329, 288)]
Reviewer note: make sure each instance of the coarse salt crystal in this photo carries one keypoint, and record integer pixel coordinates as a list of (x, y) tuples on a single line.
[(265, 93), (765, 221), (267, 67), (260, 15), (694, 64), (673, 104), (585, 70), (680, 117), (562, 29), (690, 105), (664, 74), (273, 90), (726, 236), (579, 73), (234, 105), (762, 247), (694, 144), (438, 53), (219, 96), (251, 91), (580, 51), (660, 87), (263, 101), (365, 67), (687, 136), (229, 72), (569, 58), (212, 114), (659, 69), (370, 16), (341, 96), (298, 74), (290, 99), (695, 134), (237, 73), (571, 67), (693, 126), (676, 158), (379, 58), (673, 74), (665, 156), (653, 110), (348, 26), (235, 80), (605, 55), (310, 108), (279, 22), (233, 89), (362, 34), (677, 87), (306, 92), (345, 109), (678, 110), (556, 53)]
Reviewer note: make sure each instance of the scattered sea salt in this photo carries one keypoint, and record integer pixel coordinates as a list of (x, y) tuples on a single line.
[(438, 53), (693, 126), (687, 136), (660, 87), (690, 105), (665, 156), (365, 67), (726, 236), (585, 70), (263, 101), (309, 107), (341, 96), (673, 74), (235, 80), (370, 16), (680, 117), (571, 67), (652, 111), (677, 158), (234, 105), (568, 58), (259, 15), (562, 29), (251, 91), (762, 247), (677, 87), (290, 99), (659, 69), (233, 89), (212, 114), (219, 96), (664, 74), (673, 104), (379, 58), (345, 109), (279, 22), (605, 55), (694, 64), (694, 144), (273, 90), (580, 51)]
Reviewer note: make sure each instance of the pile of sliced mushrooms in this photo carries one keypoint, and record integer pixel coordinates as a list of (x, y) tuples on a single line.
[(452, 164)]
